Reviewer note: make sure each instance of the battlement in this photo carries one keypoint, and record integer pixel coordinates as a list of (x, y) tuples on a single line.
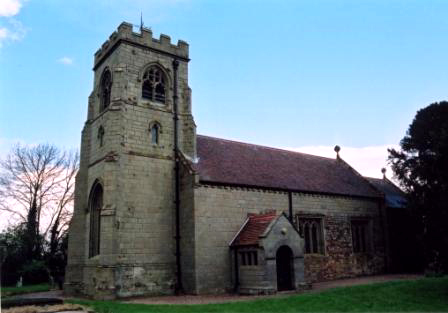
[(124, 32)]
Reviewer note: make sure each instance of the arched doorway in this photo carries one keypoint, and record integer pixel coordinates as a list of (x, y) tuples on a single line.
[(285, 269)]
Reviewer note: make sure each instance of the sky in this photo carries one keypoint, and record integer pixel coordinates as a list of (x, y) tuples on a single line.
[(300, 75)]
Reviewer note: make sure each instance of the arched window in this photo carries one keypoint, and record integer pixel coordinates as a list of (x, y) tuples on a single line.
[(105, 89), (101, 136), (95, 205), (155, 131), (154, 85), (311, 230)]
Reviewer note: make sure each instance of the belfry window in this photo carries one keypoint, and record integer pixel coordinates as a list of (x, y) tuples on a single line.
[(105, 89), (101, 136), (95, 205), (155, 130), (311, 230), (154, 85)]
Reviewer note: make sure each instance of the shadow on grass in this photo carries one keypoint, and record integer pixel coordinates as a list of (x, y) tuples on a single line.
[(13, 291)]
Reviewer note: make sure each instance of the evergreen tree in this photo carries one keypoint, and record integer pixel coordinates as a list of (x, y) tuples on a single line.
[(421, 166)]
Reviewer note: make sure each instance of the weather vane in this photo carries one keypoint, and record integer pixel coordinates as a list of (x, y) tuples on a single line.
[(141, 21)]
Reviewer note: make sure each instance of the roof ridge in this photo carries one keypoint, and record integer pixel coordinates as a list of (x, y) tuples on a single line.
[(262, 216), (368, 177), (379, 192), (266, 147)]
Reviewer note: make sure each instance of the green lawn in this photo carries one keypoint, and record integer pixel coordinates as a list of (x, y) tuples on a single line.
[(12, 291), (423, 295)]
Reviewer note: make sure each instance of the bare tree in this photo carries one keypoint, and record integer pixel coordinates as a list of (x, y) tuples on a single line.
[(60, 212), (36, 188)]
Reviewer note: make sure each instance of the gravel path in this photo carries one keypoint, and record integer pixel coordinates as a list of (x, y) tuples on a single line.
[(205, 299), (44, 294)]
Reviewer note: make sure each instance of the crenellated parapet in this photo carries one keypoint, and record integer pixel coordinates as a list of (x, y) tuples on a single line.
[(143, 39)]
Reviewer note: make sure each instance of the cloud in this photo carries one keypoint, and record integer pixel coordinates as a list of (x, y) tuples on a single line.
[(3, 33), (11, 29), (10, 8), (65, 61), (368, 161), (13, 32)]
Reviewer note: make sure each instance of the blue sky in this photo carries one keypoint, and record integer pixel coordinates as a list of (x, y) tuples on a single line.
[(303, 75)]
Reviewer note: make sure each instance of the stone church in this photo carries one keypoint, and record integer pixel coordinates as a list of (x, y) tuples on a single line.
[(162, 210)]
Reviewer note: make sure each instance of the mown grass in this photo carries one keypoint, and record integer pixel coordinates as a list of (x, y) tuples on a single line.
[(13, 291), (423, 295)]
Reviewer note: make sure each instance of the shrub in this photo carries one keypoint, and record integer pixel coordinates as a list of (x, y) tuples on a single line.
[(34, 272)]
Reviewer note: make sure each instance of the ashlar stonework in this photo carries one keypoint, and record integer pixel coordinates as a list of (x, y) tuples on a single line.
[(172, 203)]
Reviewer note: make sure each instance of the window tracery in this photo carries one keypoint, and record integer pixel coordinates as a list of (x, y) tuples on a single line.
[(311, 230), (105, 90), (154, 85)]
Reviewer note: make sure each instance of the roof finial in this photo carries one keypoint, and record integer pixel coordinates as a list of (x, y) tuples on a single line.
[(337, 149), (383, 170), (141, 21)]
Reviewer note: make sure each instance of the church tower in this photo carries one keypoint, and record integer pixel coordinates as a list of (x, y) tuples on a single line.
[(123, 237)]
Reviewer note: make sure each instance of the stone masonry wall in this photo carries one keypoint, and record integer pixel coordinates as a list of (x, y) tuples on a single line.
[(220, 212), (137, 254), (187, 227)]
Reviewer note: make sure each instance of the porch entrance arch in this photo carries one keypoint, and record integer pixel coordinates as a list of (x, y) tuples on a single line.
[(285, 268)]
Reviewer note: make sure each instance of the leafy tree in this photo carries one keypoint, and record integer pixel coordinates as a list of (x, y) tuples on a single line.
[(16, 262), (11, 241), (421, 166)]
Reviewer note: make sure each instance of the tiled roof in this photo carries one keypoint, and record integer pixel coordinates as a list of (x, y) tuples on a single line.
[(395, 197), (235, 163), (254, 227)]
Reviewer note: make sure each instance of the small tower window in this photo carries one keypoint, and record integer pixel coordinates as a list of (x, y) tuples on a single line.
[(154, 85), (101, 136), (155, 130), (105, 89)]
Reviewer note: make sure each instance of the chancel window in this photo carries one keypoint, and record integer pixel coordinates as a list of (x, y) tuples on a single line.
[(360, 235), (311, 230), (101, 136), (249, 258), (95, 205), (155, 130), (105, 90), (154, 85)]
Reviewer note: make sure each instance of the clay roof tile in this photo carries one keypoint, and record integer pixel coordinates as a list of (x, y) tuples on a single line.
[(253, 229), (235, 163)]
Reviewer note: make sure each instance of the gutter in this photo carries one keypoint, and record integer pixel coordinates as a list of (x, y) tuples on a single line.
[(178, 287), (285, 189)]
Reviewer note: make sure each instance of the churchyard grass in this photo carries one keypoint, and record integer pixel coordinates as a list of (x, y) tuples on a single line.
[(12, 291), (422, 295)]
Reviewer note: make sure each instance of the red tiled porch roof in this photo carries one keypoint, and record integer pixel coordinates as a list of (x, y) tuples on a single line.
[(255, 226)]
